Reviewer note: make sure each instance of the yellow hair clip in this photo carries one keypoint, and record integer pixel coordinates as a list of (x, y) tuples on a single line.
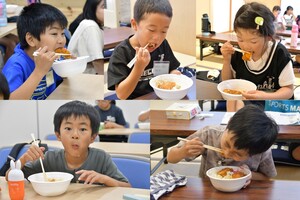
[(259, 21)]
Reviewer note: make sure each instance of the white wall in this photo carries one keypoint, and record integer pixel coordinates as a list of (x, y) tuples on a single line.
[(18, 119)]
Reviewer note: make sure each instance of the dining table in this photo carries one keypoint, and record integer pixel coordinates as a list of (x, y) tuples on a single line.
[(114, 36), (162, 126), (112, 147), (9, 28), (198, 188), (79, 191), (80, 86), (120, 131)]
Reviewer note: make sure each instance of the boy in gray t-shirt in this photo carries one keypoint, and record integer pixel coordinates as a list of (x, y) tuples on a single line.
[(245, 142), (76, 125)]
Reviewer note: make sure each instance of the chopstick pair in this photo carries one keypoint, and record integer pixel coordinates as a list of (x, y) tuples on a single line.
[(204, 145), (236, 49), (35, 143), (58, 54), (131, 63)]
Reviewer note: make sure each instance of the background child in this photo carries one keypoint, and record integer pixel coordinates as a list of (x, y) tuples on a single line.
[(4, 88), (40, 28), (76, 125), (289, 17), (87, 39), (151, 22), (270, 67), (246, 142)]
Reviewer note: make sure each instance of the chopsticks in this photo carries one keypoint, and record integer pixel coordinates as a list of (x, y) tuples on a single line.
[(236, 49), (131, 63), (58, 54), (44, 173), (204, 145)]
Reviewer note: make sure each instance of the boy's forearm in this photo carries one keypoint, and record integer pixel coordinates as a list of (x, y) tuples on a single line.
[(175, 155), (26, 90), (111, 182)]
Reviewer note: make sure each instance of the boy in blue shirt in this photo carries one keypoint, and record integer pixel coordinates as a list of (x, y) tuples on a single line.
[(40, 28)]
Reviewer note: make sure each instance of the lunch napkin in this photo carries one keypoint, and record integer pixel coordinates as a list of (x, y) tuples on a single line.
[(165, 182)]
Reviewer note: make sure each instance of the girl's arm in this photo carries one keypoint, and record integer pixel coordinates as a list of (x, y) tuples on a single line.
[(227, 51), (285, 92)]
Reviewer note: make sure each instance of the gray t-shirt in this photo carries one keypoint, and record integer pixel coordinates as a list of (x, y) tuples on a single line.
[(97, 160), (211, 135)]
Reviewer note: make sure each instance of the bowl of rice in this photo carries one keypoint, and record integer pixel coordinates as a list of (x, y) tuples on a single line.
[(228, 178), (171, 86)]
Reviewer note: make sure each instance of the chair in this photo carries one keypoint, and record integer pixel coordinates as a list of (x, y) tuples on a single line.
[(135, 168), (51, 137), (4, 152), (139, 137)]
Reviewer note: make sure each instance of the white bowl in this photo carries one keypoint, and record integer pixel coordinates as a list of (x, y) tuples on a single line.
[(144, 125), (183, 81), (70, 67), (59, 186), (11, 8), (235, 84), (227, 185)]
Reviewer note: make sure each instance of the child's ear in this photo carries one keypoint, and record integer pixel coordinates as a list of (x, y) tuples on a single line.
[(58, 136), (30, 39), (133, 24), (93, 137)]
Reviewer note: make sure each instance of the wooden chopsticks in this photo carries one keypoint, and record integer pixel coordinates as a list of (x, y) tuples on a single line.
[(204, 145)]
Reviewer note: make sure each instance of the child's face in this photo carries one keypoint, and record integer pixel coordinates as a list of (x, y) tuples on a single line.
[(250, 41), (76, 136), (227, 145), (276, 13), (100, 12), (151, 29), (53, 38), (104, 104)]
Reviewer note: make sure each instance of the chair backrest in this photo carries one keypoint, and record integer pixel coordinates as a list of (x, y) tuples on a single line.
[(127, 125), (139, 137), (135, 168), (51, 137), (4, 152)]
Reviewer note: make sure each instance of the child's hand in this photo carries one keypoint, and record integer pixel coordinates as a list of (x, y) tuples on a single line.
[(244, 166), (143, 57), (44, 60), (227, 50), (175, 71), (193, 147), (90, 177), (109, 124), (253, 94), (33, 153)]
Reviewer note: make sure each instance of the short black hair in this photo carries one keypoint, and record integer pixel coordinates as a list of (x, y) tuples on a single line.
[(142, 7), (35, 18), (77, 109), (245, 18), (4, 87), (253, 129), (276, 8), (89, 11)]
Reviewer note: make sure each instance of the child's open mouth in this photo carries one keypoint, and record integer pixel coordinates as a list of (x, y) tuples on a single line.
[(151, 45)]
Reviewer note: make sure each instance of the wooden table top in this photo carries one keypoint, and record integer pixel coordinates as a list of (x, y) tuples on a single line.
[(231, 36), (77, 191), (121, 131), (198, 188), (113, 36), (81, 86), (112, 147), (160, 125), (285, 33), (5, 30)]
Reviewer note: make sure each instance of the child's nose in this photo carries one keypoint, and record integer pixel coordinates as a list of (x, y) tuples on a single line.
[(75, 134)]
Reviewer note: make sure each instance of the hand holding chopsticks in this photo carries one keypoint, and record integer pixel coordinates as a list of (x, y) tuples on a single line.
[(131, 63), (204, 145), (44, 173)]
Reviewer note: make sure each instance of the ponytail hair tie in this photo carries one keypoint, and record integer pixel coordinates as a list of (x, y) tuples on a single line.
[(259, 21)]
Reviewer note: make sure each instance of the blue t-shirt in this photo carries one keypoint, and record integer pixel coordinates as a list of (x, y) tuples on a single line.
[(20, 66)]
